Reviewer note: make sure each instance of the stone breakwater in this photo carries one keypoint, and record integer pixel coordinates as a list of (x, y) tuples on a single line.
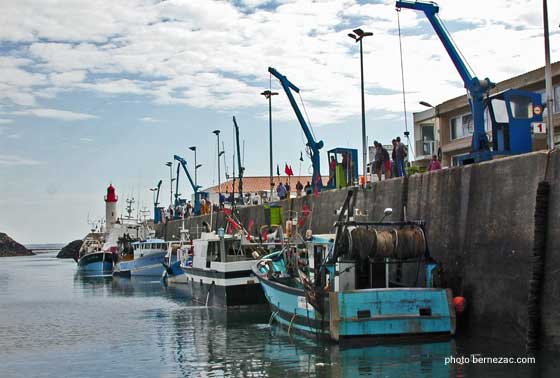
[(9, 247), (71, 250), (479, 225)]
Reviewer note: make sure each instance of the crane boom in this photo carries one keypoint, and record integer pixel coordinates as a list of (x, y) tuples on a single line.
[(183, 163), (241, 169), (314, 146), (477, 89), (157, 194)]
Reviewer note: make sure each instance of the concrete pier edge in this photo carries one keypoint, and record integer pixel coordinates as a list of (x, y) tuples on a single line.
[(479, 222)]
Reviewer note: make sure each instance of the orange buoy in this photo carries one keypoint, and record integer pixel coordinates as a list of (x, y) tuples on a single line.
[(460, 304)]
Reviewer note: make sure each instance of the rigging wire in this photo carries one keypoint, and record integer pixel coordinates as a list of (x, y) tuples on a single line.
[(410, 147), (457, 48), (307, 148)]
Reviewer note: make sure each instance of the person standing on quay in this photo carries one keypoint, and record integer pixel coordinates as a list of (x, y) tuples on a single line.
[(299, 188), (401, 154), (435, 165), (281, 191)]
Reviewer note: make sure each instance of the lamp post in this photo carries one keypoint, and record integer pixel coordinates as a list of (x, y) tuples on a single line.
[(358, 36), (217, 132), (196, 166), (170, 165), (268, 95), (548, 79)]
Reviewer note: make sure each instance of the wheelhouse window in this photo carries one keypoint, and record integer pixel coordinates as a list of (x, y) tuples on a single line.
[(521, 107)]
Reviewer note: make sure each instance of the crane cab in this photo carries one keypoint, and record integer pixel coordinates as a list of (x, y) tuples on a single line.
[(343, 167), (512, 114)]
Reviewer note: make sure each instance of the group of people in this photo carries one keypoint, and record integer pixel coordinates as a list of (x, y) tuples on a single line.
[(283, 190), (391, 166)]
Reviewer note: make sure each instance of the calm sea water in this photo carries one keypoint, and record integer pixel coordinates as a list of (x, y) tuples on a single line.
[(54, 323)]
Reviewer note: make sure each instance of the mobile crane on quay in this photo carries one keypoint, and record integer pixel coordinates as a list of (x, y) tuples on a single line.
[(512, 112), (195, 188), (346, 172)]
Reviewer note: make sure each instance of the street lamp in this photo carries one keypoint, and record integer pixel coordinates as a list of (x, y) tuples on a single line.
[(358, 36), (268, 95), (170, 165), (196, 166), (217, 132)]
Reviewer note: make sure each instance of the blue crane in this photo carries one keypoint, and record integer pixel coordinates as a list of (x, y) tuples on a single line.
[(183, 163), (509, 136), (157, 210), (241, 169), (314, 146)]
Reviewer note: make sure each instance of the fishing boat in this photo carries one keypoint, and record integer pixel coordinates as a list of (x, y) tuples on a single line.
[(220, 270), (365, 281), (178, 252), (92, 258), (141, 258)]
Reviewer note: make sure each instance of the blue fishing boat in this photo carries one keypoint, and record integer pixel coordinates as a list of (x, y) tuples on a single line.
[(179, 252), (93, 259), (355, 284), (144, 259)]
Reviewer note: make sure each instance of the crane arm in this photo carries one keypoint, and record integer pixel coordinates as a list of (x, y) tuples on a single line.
[(477, 89), (241, 169), (157, 194), (195, 187), (313, 145), (431, 10)]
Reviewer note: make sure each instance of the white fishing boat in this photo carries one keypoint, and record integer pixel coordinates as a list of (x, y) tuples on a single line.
[(219, 272)]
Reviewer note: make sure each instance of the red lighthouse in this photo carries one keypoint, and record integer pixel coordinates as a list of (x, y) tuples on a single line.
[(110, 207)]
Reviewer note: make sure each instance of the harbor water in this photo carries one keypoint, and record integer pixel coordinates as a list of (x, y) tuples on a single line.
[(56, 323)]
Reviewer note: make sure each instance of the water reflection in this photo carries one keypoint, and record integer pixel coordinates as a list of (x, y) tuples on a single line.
[(55, 323)]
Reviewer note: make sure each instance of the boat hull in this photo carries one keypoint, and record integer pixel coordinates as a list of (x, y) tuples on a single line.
[(174, 274), (96, 263), (224, 289), (369, 313), (151, 265)]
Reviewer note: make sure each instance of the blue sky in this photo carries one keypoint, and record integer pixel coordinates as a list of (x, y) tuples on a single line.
[(103, 91)]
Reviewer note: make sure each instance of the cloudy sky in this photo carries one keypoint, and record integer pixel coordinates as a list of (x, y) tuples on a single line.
[(100, 91)]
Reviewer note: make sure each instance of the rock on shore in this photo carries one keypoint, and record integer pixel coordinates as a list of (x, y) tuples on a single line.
[(9, 247), (70, 251)]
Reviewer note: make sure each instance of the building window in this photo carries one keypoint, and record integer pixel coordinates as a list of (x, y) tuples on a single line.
[(461, 126), (556, 100), (456, 159)]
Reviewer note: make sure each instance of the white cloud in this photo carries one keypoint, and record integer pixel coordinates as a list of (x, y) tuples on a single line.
[(15, 160), (86, 140), (62, 115), (149, 119), (67, 78), (4, 121), (214, 55)]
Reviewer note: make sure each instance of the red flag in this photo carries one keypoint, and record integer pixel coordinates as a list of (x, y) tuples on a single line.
[(291, 171), (287, 169)]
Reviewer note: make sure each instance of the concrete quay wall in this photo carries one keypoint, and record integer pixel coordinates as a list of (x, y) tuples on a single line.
[(479, 223)]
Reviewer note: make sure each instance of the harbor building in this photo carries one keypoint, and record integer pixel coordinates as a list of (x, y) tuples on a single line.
[(256, 189), (446, 129)]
